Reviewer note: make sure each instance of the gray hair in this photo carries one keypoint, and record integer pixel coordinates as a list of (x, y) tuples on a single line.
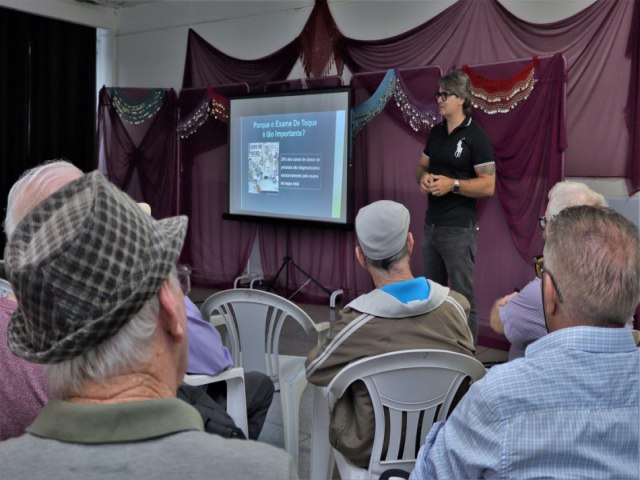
[(387, 263), (128, 351), (458, 83), (570, 194), (593, 254), (34, 186)]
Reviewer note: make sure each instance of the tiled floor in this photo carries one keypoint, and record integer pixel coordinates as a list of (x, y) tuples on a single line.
[(294, 342)]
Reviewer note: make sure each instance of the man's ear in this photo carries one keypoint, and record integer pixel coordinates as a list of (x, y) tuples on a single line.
[(360, 257), (409, 243), (550, 302), (170, 311)]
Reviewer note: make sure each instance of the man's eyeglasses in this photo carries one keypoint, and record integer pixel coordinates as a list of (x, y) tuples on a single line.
[(444, 95), (183, 272), (538, 265), (543, 222)]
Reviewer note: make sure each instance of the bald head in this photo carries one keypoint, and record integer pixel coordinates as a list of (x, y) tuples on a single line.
[(34, 186)]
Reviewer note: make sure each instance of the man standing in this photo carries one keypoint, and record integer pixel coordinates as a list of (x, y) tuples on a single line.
[(569, 408), (100, 303), (519, 316), (402, 313), (456, 168)]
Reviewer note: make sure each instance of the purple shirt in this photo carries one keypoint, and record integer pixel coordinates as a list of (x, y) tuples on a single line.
[(23, 386), (207, 355), (523, 318)]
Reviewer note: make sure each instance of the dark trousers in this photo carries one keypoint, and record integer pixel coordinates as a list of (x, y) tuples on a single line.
[(448, 255), (259, 389)]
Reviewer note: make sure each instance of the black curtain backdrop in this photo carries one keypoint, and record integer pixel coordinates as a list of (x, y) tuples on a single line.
[(47, 95)]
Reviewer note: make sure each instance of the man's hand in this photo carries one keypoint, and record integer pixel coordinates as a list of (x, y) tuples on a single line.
[(494, 315), (424, 183), (440, 185), (504, 300)]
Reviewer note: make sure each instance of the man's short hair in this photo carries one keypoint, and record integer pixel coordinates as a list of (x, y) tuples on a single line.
[(593, 254), (458, 83), (570, 194)]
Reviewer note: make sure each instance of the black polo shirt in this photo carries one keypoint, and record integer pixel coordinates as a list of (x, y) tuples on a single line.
[(455, 156)]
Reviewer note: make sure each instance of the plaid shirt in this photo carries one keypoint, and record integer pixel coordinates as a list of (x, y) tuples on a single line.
[(568, 409)]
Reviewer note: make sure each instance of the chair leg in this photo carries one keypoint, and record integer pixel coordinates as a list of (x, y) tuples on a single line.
[(321, 452), (290, 394)]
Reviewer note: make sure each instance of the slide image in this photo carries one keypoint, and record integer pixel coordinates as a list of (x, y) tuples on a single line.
[(264, 167)]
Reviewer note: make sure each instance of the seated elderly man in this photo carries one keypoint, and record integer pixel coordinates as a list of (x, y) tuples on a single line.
[(402, 313), (519, 316), (25, 390), (569, 408), (100, 304)]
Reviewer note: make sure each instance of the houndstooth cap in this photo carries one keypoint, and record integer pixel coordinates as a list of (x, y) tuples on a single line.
[(82, 264)]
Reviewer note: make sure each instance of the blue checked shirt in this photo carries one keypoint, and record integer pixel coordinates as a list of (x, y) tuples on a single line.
[(569, 409)]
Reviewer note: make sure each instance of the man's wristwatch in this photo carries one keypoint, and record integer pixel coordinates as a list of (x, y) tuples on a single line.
[(456, 186)]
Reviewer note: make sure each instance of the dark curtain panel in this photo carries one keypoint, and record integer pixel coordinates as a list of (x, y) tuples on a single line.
[(47, 94), (633, 105), (216, 249), (141, 158), (206, 65)]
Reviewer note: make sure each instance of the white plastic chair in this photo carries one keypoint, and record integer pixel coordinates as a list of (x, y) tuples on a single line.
[(236, 394), (412, 388), (254, 321), (5, 288)]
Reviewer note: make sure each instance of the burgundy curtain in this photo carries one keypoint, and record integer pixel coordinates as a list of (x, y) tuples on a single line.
[(216, 249), (529, 142), (633, 105), (206, 65), (600, 46), (140, 158)]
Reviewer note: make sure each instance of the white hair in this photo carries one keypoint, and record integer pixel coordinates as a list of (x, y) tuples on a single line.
[(128, 351), (34, 186), (570, 194)]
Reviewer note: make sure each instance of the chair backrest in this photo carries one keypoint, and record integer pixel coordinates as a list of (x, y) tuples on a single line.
[(5, 286), (410, 390), (254, 320)]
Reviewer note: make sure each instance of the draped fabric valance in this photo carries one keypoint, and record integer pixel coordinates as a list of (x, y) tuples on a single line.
[(600, 43)]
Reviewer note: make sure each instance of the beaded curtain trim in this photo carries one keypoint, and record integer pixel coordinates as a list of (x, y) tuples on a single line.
[(137, 111), (417, 115), (501, 95), (213, 105)]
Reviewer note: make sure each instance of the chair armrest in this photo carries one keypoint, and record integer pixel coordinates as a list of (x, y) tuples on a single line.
[(323, 329), (236, 393)]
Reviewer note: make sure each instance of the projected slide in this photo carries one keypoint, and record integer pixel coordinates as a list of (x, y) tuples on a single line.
[(290, 165)]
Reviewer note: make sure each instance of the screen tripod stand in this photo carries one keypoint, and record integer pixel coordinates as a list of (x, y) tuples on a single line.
[(286, 263)]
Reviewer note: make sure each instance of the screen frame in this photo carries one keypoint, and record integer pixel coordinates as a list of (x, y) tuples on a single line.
[(347, 224)]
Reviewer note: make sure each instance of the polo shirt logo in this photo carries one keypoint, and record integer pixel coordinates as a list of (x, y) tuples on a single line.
[(459, 148)]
